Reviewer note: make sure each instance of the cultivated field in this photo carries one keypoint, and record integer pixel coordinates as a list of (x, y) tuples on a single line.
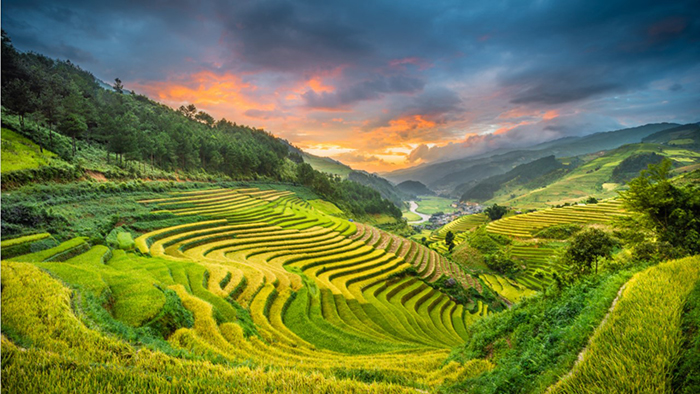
[(268, 280)]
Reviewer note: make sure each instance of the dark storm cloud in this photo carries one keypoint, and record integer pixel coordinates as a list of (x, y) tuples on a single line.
[(361, 91), (441, 60)]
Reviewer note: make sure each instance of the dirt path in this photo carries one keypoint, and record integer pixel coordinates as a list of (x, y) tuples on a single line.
[(582, 354)]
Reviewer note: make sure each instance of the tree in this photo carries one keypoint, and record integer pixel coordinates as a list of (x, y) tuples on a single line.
[(496, 211), (305, 174), (587, 247), (189, 111), (501, 262), (450, 240), (73, 125), (671, 213), (118, 87), (18, 98), (205, 118)]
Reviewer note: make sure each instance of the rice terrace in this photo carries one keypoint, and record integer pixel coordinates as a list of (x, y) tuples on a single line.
[(275, 198)]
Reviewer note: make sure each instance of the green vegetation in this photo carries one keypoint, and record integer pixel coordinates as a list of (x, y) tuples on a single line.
[(414, 188), (537, 340), (600, 175), (645, 322), (19, 153), (668, 212), (685, 377), (429, 205), (534, 174), (587, 248), (495, 211)]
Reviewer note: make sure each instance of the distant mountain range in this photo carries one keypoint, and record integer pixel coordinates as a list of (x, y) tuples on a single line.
[(457, 176)]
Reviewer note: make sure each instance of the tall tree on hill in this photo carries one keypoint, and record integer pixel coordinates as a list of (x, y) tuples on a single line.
[(205, 118), (17, 96), (586, 249), (73, 125), (189, 111), (118, 87), (450, 240)]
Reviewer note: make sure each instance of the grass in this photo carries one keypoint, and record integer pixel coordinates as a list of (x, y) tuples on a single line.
[(59, 253), (636, 348), (429, 205), (410, 216), (19, 153), (538, 340), (327, 165)]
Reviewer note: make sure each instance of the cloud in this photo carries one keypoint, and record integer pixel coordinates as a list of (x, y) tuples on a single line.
[(372, 89), (520, 136), (441, 77)]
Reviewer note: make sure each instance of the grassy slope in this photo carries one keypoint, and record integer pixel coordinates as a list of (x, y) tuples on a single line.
[(19, 153), (538, 340), (324, 164), (433, 204), (590, 179), (635, 349)]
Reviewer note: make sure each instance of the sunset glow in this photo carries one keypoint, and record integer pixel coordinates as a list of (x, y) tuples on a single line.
[(417, 83)]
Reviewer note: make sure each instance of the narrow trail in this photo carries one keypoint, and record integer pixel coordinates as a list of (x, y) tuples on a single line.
[(582, 354)]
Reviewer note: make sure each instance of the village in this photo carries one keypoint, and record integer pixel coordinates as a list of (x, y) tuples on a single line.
[(440, 219)]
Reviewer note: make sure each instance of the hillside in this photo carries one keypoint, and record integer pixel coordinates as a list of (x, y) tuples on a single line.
[(601, 175), (113, 134), (414, 188), (445, 177), (381, 185), (524, 174)]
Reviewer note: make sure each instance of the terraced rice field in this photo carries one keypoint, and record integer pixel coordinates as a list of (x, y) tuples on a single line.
[(459, 228), (324, 294), (526, 225)]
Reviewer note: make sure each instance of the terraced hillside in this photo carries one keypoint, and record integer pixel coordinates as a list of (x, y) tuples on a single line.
[(459, 228), (540, 261), (525, 226), (270, 281)]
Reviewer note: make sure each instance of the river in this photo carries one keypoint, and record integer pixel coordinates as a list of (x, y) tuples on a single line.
[(413, 207)]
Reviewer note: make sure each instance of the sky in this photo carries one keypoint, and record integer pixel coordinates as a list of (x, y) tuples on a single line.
[(384, 85)]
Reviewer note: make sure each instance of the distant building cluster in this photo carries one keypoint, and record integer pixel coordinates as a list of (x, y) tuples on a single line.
[(440, 219)]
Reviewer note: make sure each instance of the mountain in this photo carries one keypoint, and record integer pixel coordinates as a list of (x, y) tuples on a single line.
[(415, 188), (385, 188), (445, 177), (685, 136), (600, 174), (522, 175)]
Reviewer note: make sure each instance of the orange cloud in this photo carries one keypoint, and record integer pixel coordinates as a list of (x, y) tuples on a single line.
[(408, 123), (316, 84), (510, 127), (217, 93), (550, 114), (416, 61)]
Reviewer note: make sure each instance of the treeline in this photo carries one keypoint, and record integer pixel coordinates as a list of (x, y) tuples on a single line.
[(353, 197), (67, 100)]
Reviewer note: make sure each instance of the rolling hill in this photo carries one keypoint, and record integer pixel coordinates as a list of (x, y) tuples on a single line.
[(446, 177), (415, 188)]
